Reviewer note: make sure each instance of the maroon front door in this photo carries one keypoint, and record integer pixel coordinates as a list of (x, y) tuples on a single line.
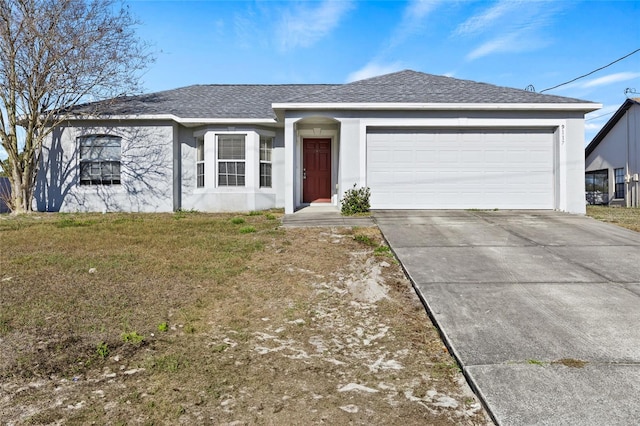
[(316, 170)]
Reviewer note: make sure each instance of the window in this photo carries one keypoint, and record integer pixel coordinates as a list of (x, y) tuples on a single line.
[(266, 146), (231, 160), (100, 160), (200, 163), (619, 174), (597, 186)]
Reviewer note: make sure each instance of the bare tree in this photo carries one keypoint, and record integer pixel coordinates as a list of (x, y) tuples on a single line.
[(54, 56)]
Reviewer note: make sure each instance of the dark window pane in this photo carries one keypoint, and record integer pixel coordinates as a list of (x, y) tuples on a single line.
[(265, 175), (100, 160), (619, 190), (231, 147)]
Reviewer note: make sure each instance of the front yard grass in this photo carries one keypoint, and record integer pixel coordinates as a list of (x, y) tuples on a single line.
[(193, 318), (625, 217)]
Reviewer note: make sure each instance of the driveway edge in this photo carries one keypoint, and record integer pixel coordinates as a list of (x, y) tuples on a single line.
[(443, 335)]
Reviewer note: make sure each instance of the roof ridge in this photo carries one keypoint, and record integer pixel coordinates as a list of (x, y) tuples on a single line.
[(339, 86)]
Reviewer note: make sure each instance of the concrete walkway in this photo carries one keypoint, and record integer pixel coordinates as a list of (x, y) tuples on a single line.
[(541, 309), (323, 215)]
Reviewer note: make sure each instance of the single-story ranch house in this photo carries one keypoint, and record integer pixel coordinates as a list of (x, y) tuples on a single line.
[(418, 141)]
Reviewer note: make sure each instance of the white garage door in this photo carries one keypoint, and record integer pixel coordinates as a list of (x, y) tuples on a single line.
[(453, 169)]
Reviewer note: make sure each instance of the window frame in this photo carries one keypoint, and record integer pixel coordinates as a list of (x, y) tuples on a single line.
[(619, 183), (233, 164), (596, 186), (109, 167), (200, 163), (264, 164)]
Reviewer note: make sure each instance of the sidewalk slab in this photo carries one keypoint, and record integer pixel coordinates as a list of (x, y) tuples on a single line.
[(615, 263), (566, 230), (480, 264), (505, 323), (554, 394), (459, 232)]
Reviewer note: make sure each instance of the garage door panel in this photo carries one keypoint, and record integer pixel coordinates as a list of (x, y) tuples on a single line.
[(467, 169), (426, 156)]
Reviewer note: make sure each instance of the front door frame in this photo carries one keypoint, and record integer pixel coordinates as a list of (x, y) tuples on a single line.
[(306, 199), (316, 132)]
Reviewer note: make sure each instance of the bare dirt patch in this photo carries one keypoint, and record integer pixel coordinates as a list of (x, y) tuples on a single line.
[(296, 326)]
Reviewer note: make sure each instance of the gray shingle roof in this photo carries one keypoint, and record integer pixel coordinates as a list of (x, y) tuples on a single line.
[(417, 87), (212, 101), (255, 101)]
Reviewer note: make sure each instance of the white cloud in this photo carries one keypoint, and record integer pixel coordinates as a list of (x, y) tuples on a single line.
[(373, 69), (507, 43), (592, 127), (611, 78), (418, 9), (480, 22), (513, 27), (413, 19), (303, 25)]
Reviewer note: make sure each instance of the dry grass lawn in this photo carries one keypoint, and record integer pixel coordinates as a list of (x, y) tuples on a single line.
[(193, 318), (627, 218)]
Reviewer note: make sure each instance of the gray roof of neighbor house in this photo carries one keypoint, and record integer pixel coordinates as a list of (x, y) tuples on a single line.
[(255, 101), (610, 124)]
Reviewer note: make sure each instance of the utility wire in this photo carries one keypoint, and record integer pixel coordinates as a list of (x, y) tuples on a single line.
[(598, 116), (592, 72)]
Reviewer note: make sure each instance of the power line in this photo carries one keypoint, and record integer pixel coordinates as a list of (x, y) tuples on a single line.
[(598, 116), (592, 72)]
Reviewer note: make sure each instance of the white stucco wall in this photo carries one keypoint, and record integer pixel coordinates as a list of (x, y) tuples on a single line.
[(146, 170), (567, 125), (159, 159), (214, 198), (571, 196)]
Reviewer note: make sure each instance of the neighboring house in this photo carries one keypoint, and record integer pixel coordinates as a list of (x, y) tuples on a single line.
[(5, 194), (612, 159), (418, 141)]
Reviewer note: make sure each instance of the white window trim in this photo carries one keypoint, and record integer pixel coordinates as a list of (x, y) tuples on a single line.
[(81, 161), (261, 161), (201, 162), (218, 161), (252, 160)]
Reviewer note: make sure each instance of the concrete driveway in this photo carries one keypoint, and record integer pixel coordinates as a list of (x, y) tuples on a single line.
[(542, 309)]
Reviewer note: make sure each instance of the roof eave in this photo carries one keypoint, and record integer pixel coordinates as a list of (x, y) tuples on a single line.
[(172, 117), (586, 106)]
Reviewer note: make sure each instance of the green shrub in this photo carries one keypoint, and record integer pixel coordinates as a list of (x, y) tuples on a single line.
[(364, 239), (102, 350), (356, 200), (247, 229), (237, 220), (382, 251), (132, 337)]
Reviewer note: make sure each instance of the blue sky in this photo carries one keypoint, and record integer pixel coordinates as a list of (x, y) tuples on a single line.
[(507, 43), (504, 42)]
